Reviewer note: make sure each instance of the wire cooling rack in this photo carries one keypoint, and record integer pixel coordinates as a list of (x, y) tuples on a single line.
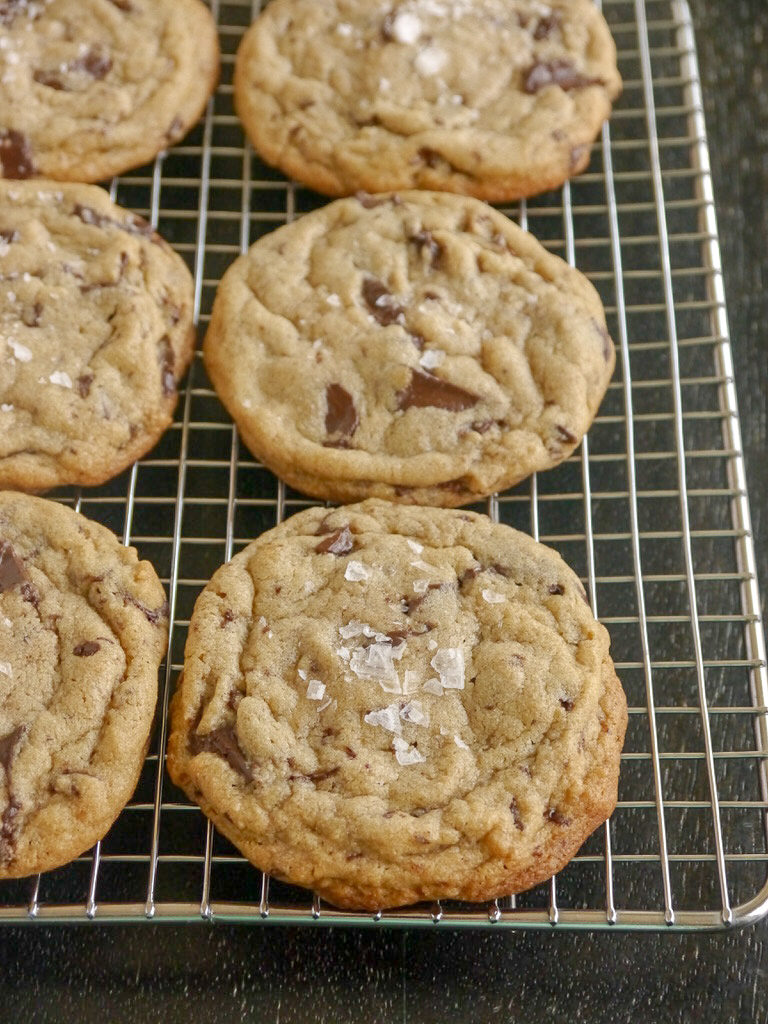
[(652, 512)]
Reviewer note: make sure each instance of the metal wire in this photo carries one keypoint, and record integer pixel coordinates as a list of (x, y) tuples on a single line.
[(652, 511)]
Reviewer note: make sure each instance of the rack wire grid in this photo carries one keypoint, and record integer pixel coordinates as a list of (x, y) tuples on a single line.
[(652, 511)]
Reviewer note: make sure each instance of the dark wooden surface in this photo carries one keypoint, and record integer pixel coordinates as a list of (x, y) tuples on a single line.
[(177, 974)]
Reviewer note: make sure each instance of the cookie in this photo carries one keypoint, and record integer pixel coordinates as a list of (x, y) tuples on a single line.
[(390, 705), (95, 331), (418, 347), (83, 628), (496, 99), (91, 88)]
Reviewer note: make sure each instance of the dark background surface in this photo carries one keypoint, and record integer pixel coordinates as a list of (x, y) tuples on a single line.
[(170, 973)]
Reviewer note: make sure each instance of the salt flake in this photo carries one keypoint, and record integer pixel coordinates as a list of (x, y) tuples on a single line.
[(406, 28), (20, 352), (433, 686), (356, 571), (449, 665), (6, 407), (5, 668), (414, 712), (376, 662), (388, 718), (432, 358), (492, 597), (61, 379), (460, 742), (420, 586), (405, 753), (430, 60), (411, 681), (415, 547), (315, 689)]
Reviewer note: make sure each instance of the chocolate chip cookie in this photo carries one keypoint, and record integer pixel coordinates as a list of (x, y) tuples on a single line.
[(390, 705), (91, 88), (83, 628), (491, 98), (95, 331), (416, 346)]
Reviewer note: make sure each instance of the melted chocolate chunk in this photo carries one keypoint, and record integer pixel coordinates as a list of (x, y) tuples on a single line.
[(546, 26), (577, 155), (567, 703), (167, 376), (122, 5), (341, 416), (152, 615), (84, 384), (413, 602), (9, 746), (8, 235), (381, 303), (427, 390), (469, 574), (556, 817), (134, 224), (607, 343), (556, 72), (370, 202), (31, 315), (340, 542), (431, 157), (93, 63), (15, 155), (426, 242), (556, 588), (319, 776), (516, 816), (566, 435), (12, 571), (86, 649), (350, 752), (50, 79), (227, 617), (222, 741)]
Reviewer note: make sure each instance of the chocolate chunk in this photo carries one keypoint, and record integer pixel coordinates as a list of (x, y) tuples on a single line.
[(556, 588), (10, 8), (167, 376), (15, 155), (556, 72), (86, 649), (50, 79), (84, 384), (319, 776), (94, 63), (350, 752), (222, 741), (427, 390), (8, 235), (31, 315), (546, 26), (339, 543), (133, 224), (368, 201), (567, 703), (469, 574), (413, 602), (388, 27), (425, 241), (565, 434), (227, 617), (122, 5), (9, 745), (502, 570), (418, 340), (152, 615), (577, 155), (12, 571), (341, 416), (483, 426), (90, 216), (431, 157), (516, 816), (556, 817), (382, 304), (607, 343), (30, 594)]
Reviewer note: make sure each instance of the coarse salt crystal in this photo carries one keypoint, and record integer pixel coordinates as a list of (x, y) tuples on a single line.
[(419, 564), (433, 686), (449, 665), (356, 571), (20, 352), (405, 753), (246, 403), (344, 29), (430, 60), (61, 379), (343, 653), (432, 358), (333, 299), (420, 586), (261, 622), (327, 703), (406, 28), (6, 407), (492, 597), (388, 718), (384, 84), (302, 673), (414, 712), (411, 681), (377, 662), (415, 547), (432, 645), (315, 689), (5, 668), (460, 742)]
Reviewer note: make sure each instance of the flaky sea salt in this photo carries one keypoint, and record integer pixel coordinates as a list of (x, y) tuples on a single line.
[(406, 28), (432, 645), (302, 673), (449, 665), (356, 571), (388, 718), (344, 28), (6, 407), (420, 586), (333, 300), (433, 686), (415, 547), (460, 742), (60, 379), (492, 597), (430, 60), (414, 712), (377, 662), (405, 753), (5, 668), (315, 689), (343, 653), (410, 681), (20, 352), (432, 358)]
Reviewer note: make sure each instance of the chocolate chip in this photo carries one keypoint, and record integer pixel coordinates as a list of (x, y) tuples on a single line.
[(556, 72), (607, 343), (12, 571), (546, 26), (15, 155), (567, 703), (516, 816), (152, 615), (227, 617), (30, 594), (84, 384), (9, 745), (31, 315), (556, 817), (350, 752), (167, 375), (341, 415), (94, 63), (565, 434), (431, 157), (319, 776), (86, 649), (556, 588), (425, 390), (368, 201), (122, 5), (222, 741), (133, 224), (339, 543), (483, 426), (381, 302), (388, 27), (425, 241), (469, 574), (502, 570), (50, 79), (9, 235), (413, 602)]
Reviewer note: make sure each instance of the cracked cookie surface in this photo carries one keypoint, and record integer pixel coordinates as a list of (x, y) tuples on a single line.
[(91, 88), (492, 98), (418, 347), (95, 331), (393, 704), (83, 628)]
